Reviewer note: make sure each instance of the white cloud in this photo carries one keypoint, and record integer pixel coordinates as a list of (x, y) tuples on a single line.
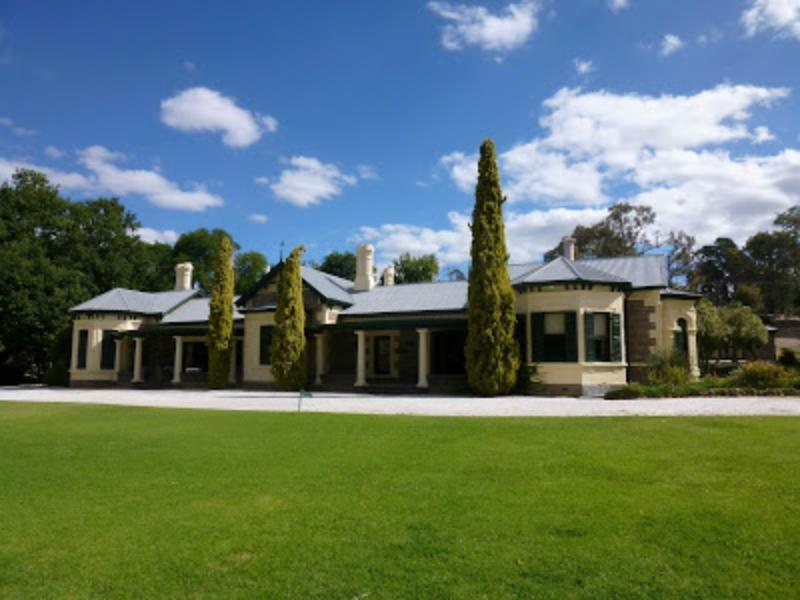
[(477, 26), (53, 152), (15, 129), (153, 236), (261, 180), (618, 5), (367, 172), (258, 218), (780, 16), (309, 181), (670, 44), (200, 109), (189, 66), (712, 36), (63, 179), (600, 147), (583, 67), (108, 177)]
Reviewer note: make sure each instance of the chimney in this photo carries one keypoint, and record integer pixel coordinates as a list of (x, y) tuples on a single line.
[(365, 280), (183, 276), (569, 247), (388, 275)]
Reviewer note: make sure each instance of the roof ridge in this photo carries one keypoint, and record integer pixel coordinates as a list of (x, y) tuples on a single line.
[(571, 266)]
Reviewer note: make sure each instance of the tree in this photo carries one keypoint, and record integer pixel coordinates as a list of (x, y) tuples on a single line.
[(776, 269), (492, 353), (249, 268), (749, 295), (746, 332), (416, 269), (456, 274), (712, 331), (623, 232), (341, 264), (719, 267), (680, 257), (289, 339), (200, 248), (220, 317)]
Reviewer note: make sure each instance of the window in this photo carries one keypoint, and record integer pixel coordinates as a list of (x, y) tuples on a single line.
[(83, 342), (555, 337), (447, 351), (264, 343), (681, 338), (108, 351), (601, 332)]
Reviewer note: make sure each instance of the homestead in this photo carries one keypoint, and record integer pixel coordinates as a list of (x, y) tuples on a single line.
[(587, 325)]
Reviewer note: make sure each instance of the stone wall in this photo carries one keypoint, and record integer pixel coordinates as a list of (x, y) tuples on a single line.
[(640, 337)]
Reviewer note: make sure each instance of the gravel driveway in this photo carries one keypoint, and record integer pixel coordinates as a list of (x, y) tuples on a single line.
[(510, 406)]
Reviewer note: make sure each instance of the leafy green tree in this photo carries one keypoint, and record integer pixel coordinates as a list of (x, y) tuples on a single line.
[(249, 268), (492, 353), (719, 267), (680, 258), (288, 339), (746, 331), (749, 295), (200, 248), (623, 232), (341, 264), (776, 269), (220, 317), (456, 274), (713, 331), (416, 269)]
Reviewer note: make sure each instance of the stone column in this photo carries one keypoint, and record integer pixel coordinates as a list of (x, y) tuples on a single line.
[(177, 368), (694, 363), (528, 339), (361, 359), (117, 359), (422, 354), (320, 355), (137, 361), (232, 372)]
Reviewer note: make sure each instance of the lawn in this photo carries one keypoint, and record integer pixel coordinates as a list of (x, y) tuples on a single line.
[(132, 502)]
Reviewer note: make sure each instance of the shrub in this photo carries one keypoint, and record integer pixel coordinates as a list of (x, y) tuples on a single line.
[(788, 358), (57, 375), (668, 368), (631, 391), (527, 379), (762, 375)]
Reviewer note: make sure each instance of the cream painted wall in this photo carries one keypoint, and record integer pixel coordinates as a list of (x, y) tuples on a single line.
[(253, 372), (673, 309), (560, 299), (95, 324)]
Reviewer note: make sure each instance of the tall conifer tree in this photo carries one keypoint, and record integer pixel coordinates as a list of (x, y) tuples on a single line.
[(220, 318), (288, 349), (492, 353)]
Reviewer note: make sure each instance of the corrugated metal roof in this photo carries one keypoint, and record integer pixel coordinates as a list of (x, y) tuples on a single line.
[(329, 286), (133, 301), (194, 311), (439, 296), (562, 269), (639, 271)]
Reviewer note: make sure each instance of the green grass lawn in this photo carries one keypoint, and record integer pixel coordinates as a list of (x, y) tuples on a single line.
[(110, 501)]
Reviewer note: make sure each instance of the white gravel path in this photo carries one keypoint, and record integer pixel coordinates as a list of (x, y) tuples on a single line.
[(512, 406)]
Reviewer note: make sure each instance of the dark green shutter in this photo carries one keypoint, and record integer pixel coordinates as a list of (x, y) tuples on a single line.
[(108, 351), (83, 342), (537, 324), (588, 336), (571, 334), (616, 338), (265, 341), (519, 334)]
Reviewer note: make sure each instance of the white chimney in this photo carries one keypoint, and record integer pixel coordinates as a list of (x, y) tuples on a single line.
[(388, 275), (569, 247), (183, 276), (365, 280)]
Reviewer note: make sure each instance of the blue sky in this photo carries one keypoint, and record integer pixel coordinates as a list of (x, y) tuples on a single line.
[(328, 123)]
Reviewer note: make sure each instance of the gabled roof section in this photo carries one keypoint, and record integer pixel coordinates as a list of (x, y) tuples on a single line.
[(122, 300), (440, 296), (641, 271), (195, 310), (332, 288), (562, 270)]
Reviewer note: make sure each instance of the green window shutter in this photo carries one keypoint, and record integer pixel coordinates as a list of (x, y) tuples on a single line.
[(571, 335), (588, 336), (616, 338), (83, 343), (519, 334), (264, 343), (537, 324), (108, 351)]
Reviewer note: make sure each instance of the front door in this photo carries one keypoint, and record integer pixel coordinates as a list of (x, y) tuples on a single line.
[(383, 355)]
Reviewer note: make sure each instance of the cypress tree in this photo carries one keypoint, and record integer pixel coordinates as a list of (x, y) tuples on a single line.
[(288, 349), (220, 318), (492, 354)]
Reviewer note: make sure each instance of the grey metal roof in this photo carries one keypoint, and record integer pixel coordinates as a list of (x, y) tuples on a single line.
[(329, 286), (562, 269), (194, 311), (641, 271), (440, 296), (673, 293), (132, 301)]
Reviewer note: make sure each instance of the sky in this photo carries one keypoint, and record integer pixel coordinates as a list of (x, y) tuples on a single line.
[(330, 124)]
